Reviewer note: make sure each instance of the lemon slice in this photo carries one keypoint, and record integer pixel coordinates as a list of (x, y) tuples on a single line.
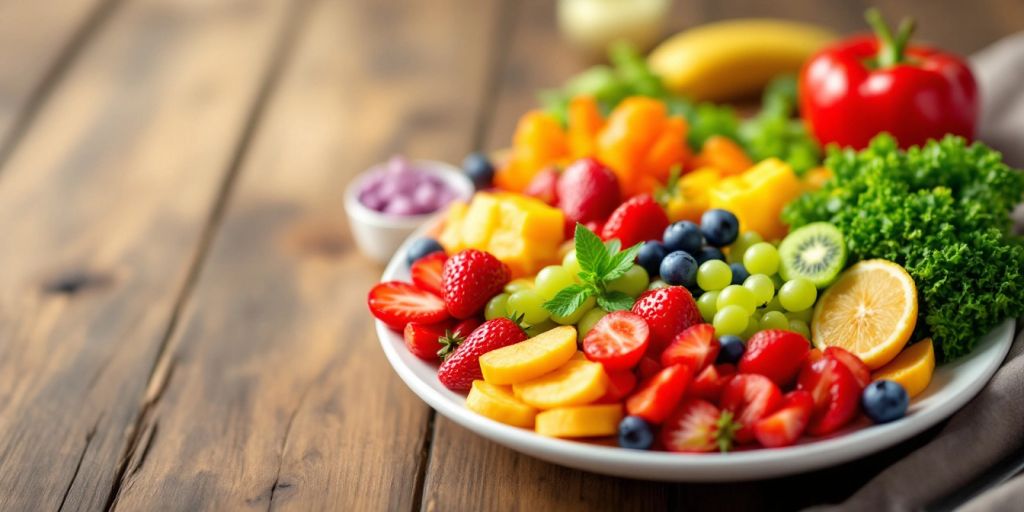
[(870, 311)]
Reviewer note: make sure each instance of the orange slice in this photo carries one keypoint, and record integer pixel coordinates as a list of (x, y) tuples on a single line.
[(912, 369), (870, 311)]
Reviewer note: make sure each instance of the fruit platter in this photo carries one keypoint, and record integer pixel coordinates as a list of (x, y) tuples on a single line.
[(647, 284)]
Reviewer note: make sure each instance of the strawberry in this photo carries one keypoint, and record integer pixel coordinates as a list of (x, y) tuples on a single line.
[(696, 346), (620, 384), (461, 367), (637, 220), (396, 304), (667, 311), (470, 278), (698, 426), (835, 391), (860, 371), (776, 354), (750, 397), (617, 341), (544, 186), (710, 382), (647, 367), (423, 339), (659, 395), (784, 426), (426, 272), (588, 191)]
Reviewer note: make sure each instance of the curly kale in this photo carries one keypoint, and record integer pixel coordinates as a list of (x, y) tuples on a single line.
[(941, 211)]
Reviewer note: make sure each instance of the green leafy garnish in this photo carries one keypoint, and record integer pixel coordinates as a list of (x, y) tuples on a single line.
[(600, 263)]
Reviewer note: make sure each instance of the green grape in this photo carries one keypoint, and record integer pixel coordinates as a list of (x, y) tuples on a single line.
[(714, 275), (657, 283), (798, 294), (551, 280), (762, 288), (804, 315), (730, 320), (496, 307), (742, 243), (799, 326), (516, 285), (540, 328), (529, 304), (752, 327), (587, 322), (774, 305), (774, 320), (761, 258), (736, 295), (632, 283), (575, 316), (707, 305), (570, 264)]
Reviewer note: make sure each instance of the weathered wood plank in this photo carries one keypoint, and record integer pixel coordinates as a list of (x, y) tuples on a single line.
[(103, 207), (277, 394)]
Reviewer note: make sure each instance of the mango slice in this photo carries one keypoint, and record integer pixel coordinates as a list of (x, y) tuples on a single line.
[(529, 359), (575, 383), (580, 421), (499, 404), (912, 368)]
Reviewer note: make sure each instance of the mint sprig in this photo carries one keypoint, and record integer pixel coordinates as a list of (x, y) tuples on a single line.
[(600, 263)]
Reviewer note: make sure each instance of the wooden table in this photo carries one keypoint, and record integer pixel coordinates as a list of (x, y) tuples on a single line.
[(182, 318)]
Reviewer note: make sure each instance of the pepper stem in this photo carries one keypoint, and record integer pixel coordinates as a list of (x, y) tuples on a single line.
[(891, 50)]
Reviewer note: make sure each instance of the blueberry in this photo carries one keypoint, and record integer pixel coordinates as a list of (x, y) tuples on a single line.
[(683, 236), (421, 247), (739, 273), (650, 256), (708, 253), (679, 268), (731, 349), (635, 433), (884, 401), (479, 169), (720, 227)]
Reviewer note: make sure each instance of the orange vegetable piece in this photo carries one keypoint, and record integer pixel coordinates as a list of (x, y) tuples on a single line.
[(585, 122), (723, 154), (669, 150), (631, 130), (538, 142)]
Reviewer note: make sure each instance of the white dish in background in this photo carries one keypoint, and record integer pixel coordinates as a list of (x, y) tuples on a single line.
[(952, 386)]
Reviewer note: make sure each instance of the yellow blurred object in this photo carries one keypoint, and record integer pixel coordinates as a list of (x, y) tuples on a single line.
[(529, 359), (592, 25), (521, 231), (734, 58), (758, 195), (499, 404), (690, 198), (912, 369), (580, 421), (815, 178), (574, 383)]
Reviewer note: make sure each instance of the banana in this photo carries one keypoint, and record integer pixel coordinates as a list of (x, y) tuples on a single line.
[(734, 58)]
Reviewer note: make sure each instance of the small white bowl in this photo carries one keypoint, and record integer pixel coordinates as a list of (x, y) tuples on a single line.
[(378, 235)]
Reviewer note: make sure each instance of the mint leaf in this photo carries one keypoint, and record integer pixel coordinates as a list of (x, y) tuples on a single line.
[(568, 300), (590, 251), (621, 262), (614, 301)]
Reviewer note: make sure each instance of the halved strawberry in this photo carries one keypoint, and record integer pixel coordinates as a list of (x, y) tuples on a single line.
[(659, 395), (647, 367), (750, 397), (426, 272), (620, 384), (696, 346), (423, 340), (639, 219), (860, 371), (710, 382), (835, 392), (470, 278), (786, 425), (698, 426), (618, 340), (668, 311), (776, 354), (396, 304), (544, 186)]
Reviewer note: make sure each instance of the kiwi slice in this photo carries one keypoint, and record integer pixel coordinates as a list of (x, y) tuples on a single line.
[(816, 252)]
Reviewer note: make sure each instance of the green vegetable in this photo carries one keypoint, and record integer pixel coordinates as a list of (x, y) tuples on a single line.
[(941, 211), (601, 263)]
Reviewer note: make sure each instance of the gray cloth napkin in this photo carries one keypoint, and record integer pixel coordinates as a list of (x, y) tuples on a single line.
[(991, 427)]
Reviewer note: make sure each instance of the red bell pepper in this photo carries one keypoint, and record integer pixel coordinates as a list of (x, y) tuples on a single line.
[(869, 84)]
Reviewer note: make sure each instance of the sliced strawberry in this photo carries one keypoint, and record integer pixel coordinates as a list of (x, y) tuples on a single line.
[(860, 371), (470, 278), (423, 340), (618, 340), (659, 395), (461, 367), (647, 367), (696, 346), (750, 397), (637, 220), (396, 304), (668, 311), (776, 354), (620, 384), (426, 272), (697, 426), (544, 186), (835, 392), (710, 382), (786, 425), (814, 355)]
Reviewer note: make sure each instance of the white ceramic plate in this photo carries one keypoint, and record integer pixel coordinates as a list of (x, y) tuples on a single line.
[(952, 386)]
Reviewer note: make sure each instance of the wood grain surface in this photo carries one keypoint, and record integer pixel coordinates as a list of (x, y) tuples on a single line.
[(182, 317)]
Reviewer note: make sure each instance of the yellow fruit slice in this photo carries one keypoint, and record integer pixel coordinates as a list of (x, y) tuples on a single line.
[(870, 310), (529, 359), (498, 404), (580, 421), (912, 369), (575, 383)]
